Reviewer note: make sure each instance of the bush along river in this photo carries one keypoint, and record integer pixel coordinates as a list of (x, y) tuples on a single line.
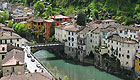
[(73, 70)]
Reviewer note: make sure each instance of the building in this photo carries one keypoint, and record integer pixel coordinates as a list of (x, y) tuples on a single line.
[(123, 48), (20, 19), (56, 20), (60, 33), (71, 39), (29, 76), (3, 51), (13, 63), (11, 37), (137, 64), (35, 24)]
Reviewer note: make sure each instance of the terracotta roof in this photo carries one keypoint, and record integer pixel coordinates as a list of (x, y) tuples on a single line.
[(138, 55), (108, 20), (28, 76), (38, 20), (121, 27), (116, 37), (21, 17), (110, 28), (7, 29), (49, 20), (59, 16), (13, 57), (2, 25), (73, 28), (7, 35)]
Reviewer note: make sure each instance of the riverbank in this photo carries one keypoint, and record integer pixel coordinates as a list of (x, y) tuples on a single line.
[(73, 69)]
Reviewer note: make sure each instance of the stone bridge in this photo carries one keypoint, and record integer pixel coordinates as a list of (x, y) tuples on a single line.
[(56, 48)]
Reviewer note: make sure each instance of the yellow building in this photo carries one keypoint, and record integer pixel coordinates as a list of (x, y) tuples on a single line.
[(137, 63), (35, 23)]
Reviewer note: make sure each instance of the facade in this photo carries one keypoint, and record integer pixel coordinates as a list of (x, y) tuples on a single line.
[(123, 48), (3, 51), (29, 76), (13, 63), (20, 19), (56, 20), (35, 23), (71, 39), (11, 37), (60, 33), (137, 64)]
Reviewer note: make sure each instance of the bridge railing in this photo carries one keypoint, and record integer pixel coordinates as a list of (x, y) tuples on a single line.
[(43, 65)]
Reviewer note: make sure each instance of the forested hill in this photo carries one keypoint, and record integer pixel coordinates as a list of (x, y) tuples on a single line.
[(124, 11)]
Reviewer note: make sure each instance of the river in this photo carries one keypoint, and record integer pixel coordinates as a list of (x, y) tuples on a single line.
[(73, 70)]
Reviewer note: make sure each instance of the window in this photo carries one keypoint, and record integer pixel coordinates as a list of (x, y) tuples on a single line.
[(128, 51), (69, 38), (17, 39), (120, 31), (3, 56), (126, 62), (72, 39), (134, 36), (128, 56), (72, 33), (91, 35), (72, 44), (91, 40), (5, 41), (128, 45), (69, 44), (122, 55), (112, 41), (11, 41), (17, 45), (3, 48), (119, 49), (117, 43), (12, 69), (119, 55), (69, 33)]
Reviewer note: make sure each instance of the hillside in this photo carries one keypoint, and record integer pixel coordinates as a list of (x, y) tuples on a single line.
[(124, 11)]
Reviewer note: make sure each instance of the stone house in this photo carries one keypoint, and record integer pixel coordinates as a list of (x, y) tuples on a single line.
[(13, 63)]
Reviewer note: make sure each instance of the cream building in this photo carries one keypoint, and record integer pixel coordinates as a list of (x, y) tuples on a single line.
[(60, 32), (71, 39), (123, 48), (12, 38), (13, 63)]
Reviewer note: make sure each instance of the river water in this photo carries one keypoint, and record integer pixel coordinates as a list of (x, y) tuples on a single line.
[(73, 70)]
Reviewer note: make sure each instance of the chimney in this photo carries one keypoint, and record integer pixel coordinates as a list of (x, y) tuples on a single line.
[(17, 62), (11, 33), (2, 33)]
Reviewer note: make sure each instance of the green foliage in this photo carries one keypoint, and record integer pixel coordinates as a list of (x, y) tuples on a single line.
[(4, 16), (65, 78), (51, 38), (20, 29), (55, 70), (39, 7), (10, 24), (81, 20), (48, 12)]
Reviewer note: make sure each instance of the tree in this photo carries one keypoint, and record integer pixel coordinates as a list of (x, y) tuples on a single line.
[(52, 30), (55, 70), (81, 19), (48, 12), (65, 78), (10, 24), (4, 15), (39, 7)]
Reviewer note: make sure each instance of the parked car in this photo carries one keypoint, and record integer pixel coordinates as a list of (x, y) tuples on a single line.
[(29, 55), (38, 65), (32, 60)]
